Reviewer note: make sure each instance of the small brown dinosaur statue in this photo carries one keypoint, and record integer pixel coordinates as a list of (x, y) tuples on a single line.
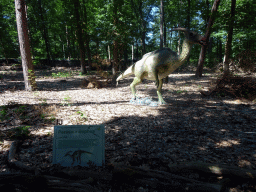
[(157, 65)]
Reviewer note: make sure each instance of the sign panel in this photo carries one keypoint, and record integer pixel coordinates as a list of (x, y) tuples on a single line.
[(78, 144)]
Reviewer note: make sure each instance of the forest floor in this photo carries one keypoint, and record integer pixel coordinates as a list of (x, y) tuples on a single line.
[(190, 128)]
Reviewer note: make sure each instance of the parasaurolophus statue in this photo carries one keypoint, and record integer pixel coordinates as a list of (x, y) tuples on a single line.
[(157, 65)]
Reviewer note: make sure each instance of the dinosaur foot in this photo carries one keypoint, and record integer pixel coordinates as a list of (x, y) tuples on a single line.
[(162, 103)]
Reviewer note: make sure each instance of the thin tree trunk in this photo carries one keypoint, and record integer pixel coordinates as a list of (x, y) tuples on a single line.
[(68, 44), (87, 38), (28, 70), (132, 53), (137, 8), (220, 50), (45, 33), (199, 70), (229, 40), (178, 49), (143, 29), (4, 52), (165, 44), (161, 23), (79, 36), (109, 56), (188, 24), (116, 44), (162, 41)]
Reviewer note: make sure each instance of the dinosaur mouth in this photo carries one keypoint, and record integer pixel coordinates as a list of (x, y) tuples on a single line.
[(202, 41)]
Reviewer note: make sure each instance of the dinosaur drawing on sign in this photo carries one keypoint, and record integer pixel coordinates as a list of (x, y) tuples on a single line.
[(76, 155), (159, 64)]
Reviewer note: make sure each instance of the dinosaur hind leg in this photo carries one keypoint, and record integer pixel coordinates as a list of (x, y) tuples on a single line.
[(135, 82), (159, 93)]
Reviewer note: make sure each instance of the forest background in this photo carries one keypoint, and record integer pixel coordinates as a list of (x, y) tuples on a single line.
[(123, 30)]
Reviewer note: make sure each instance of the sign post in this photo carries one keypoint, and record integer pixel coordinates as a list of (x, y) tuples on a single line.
[(78, 144)]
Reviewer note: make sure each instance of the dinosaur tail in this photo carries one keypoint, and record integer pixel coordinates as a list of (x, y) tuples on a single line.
[(127, 73)]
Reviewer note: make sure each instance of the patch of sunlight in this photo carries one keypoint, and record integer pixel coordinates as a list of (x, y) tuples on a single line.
[(228, 143), (202, 148), (250, 174), (244, 163), (215, 169), (182, 74)]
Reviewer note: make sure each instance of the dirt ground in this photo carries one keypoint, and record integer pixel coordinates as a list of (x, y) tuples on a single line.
[(191, 127)]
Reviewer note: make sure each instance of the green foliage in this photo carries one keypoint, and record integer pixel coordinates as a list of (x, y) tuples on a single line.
[(20, 133), (81, 114), (20, 109), (3, 113), (66, 101), (62, 74), (52, 28), (181, 91), (43, 102)]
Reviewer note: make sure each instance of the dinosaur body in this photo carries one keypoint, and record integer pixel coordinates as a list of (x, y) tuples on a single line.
[(157, 65)]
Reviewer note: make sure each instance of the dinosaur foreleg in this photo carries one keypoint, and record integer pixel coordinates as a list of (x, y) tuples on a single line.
[(159, 93), (135, 82)]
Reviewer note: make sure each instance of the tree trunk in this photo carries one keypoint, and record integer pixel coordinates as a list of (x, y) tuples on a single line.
[(68, 44), (45, 32), (219, 50), (179, 44), (229, 40), (132, 53), (188, 24), (199, 70), (162, 41), (109, 56), (116, 60), (165, 45), (28, 70), (79, 36), (4, 52), (87, 38), (161, 23), (143, 28), (116, 43)]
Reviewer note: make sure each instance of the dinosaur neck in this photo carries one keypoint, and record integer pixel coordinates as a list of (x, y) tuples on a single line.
[(186, 47)]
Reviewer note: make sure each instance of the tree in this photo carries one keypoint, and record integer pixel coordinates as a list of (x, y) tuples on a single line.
[(28, 71), (188, 22), (87, 38), (162, 31), (161, 23), (79, 36), (44, 30), (199, 70), (229, 40)]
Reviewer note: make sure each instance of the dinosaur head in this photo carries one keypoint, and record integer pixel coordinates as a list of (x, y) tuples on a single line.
[(202, 40), (192, 36)]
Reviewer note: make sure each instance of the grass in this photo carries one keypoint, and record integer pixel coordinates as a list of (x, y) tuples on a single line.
[(82, 114), (63, 74), (19, 133), (3, 113), (66, 101), (20, 109), (181, 91)]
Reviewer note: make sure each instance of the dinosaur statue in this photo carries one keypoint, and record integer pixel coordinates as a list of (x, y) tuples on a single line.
[(157, 65)]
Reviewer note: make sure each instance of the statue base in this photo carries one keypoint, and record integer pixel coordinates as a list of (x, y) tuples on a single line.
[(144, 101)]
